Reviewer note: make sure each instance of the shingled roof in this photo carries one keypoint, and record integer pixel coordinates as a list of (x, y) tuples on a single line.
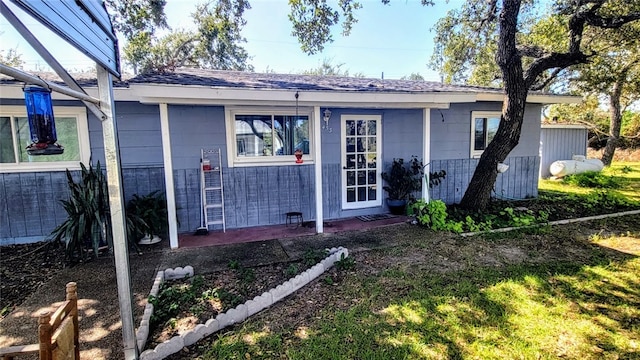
[(238, 80), (250, 80)]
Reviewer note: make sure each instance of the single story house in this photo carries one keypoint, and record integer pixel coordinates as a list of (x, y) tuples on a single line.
[(349, 130)]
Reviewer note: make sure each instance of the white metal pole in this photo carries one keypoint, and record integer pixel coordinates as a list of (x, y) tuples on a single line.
[(116, 206), (168, 176), (317, 155), (426, 151)]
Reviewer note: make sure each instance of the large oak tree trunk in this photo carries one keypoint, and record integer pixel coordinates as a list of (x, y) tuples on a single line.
[(478, 193), (615, 123)]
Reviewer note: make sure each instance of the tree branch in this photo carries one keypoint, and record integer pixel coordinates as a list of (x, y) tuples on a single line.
[(531, 51), (611, 23), (553, 60), (551, 77)]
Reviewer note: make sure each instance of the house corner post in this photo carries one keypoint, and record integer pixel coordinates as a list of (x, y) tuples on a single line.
[(426, 151), (116, 205), (168, 176), (317, 155)]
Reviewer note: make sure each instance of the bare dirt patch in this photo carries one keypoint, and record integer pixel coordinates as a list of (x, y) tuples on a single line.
[(24, 268)]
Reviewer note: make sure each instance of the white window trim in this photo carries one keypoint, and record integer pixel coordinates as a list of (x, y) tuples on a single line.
[(230, 113), (476, 114), (379, 165), (80, 113)]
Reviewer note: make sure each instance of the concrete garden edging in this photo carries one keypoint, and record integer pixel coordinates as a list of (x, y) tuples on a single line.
[(556, 222), (233, 316)]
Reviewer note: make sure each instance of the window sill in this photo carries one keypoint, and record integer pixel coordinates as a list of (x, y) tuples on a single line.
[(250, 162), (39, 167)]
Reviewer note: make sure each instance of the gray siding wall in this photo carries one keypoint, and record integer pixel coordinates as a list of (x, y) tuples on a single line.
[(560, 144), (451, 137), (254, 196), (139, 135), (520, 181)]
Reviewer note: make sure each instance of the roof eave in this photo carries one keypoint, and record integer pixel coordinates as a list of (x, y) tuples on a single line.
[(181, 94), (535, 98)]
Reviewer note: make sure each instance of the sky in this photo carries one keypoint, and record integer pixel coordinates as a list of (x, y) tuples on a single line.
[(395, 40)]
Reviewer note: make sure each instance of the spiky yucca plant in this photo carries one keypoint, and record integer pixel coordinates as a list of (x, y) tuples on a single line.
[(88, 224)]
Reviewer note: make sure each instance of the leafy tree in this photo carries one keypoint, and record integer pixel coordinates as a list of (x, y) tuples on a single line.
[(413, 76), (11, 57), (327, 68), (614, 71), (214, 44)]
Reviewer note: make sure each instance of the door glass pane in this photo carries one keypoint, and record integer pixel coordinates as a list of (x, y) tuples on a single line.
[(371, 144), (351, 162), (372, 192), (351, 195), (371, 179), (67, 133), (371, 161), (361, 143), (362, 161), (362, 193), (350, 127), (371, 127), (362, 127), (362, 178), (351, 178), (351, 145), (7, 155)]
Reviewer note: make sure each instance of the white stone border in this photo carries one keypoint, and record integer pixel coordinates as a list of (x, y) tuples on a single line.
[(169, 274), (557, 222), (233, 316)]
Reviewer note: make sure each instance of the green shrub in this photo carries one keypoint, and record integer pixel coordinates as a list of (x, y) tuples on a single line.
[(593, 179), (434, 215)]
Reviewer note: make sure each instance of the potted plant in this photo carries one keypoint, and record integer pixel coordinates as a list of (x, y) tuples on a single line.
[(403, 179), (151, 209)]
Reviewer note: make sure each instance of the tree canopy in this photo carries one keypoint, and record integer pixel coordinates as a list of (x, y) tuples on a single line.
[(328, 68), (215, 43)]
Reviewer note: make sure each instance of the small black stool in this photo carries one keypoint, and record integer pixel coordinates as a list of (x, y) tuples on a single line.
[(294, 218)]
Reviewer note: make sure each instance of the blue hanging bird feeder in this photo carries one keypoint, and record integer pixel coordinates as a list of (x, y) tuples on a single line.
[(41, 122)]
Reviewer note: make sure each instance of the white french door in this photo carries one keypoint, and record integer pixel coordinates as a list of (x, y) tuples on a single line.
[(361, 161)]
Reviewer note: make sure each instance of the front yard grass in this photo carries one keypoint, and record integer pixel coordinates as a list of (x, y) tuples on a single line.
[(564, 292), (627, 172), (570, 291)]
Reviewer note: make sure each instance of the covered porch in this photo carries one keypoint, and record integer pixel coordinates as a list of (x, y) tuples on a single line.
[(261, 233)]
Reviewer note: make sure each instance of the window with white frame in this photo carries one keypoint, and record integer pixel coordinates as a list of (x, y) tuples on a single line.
[(71, 130), (269, 136), (484, 126)]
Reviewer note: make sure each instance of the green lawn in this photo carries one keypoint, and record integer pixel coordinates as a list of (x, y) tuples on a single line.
[(585, 307), (627, 172), (570, 292)]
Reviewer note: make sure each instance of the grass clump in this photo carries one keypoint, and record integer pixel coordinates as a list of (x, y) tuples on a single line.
[(594, 179)]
